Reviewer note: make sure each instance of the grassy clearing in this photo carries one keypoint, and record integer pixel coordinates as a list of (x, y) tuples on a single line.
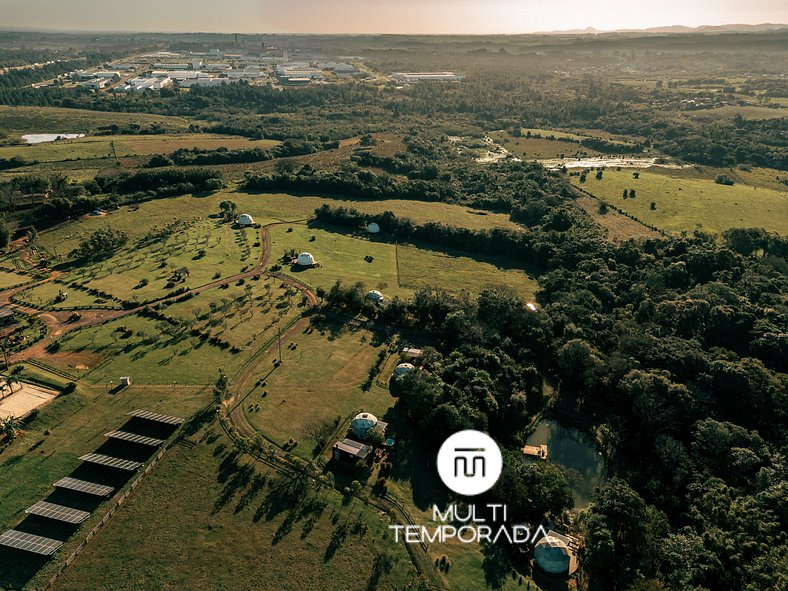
[(748, 112), (153, 353), (50, 445), (245, 315), (254, 531), (146, 268), (120, 146), (21, 120), (48, 294), (9, 278), (139, 220), (342, 256), (618, 226), (533, 148), (688, 203), (318, 382)]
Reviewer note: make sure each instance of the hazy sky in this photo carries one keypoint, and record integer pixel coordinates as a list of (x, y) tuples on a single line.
[(382, 16)]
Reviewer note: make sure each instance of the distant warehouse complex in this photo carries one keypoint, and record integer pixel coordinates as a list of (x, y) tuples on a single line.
[(410, 77)]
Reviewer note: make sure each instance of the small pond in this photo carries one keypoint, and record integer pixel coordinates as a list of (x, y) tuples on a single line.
[(575, 453)]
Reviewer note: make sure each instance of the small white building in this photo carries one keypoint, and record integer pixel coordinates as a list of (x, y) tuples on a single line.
[(375, 296), (96, 83), (245, 220), (364, 422), (125, 381), (305, 259), (402, 369), (373, 228)]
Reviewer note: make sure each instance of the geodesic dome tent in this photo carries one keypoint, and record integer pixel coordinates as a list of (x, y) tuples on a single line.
[(362, 423), (375, 296), (305, 259), (373, 228), (402, 369), (245, 220), (554, 557)]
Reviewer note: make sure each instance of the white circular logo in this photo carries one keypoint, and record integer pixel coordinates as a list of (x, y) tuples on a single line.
[(469, 462)]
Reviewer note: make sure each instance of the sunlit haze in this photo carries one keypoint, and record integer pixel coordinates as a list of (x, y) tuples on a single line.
[(381, 16)]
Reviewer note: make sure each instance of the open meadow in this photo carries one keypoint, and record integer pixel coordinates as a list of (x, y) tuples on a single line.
[(687, 200)]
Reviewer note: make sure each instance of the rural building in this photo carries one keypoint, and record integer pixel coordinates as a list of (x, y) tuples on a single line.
[(347, 449), (375, 296), (6, 316), (305, 260), (248, 74), (365, 422), (142, 84), (373, 228), (555, 554), (206, 82), (402, 369), (245, 220), (411, 353), (411, 77), (125, 381)]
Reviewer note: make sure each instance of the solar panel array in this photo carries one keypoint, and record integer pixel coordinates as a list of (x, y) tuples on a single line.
[(84, 486), (134, 438), (58, 512), (153, 416), (110, 461), (25, 541)]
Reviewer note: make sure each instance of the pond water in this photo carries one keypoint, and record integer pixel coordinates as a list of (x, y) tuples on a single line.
[(575, 453), (40, 138)]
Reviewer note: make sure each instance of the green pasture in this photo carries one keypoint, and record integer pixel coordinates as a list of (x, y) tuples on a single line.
[(150, 351), (48, 294), (208, 518), (537, 148), (686, 201), (246, 314), (318, 382), (10, 278)]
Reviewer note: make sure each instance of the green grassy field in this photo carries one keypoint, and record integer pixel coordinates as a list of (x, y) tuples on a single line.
[(243, 321), (120, 146), (535, 148), (100, 354), (10, 278), (207, 518), (318, 382), (208, 248), (49, 447), (342, 256), (687, 200), (46, 294), (16, 121)]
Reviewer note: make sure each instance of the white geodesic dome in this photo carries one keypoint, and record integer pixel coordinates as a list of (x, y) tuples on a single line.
[(553, 556), (373, 228), (362, 423), (245, 220), (305, 259), (402, 369), (375, 296)]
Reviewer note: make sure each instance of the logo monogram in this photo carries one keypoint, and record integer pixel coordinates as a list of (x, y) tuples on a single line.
[(469, 462)]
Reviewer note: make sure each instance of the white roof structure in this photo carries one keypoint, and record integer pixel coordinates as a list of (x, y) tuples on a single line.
[(305, 259), (373, 228), (363, 422), (375, 296), (553, 556), (402, 369), (245, 220)]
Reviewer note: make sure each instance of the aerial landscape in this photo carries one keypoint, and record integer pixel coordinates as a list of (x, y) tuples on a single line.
[(257, 274)]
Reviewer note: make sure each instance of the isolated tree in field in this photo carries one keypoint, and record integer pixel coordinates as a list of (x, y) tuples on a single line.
[(625, 194), (653, 205), (635, 175), (632, 193), (228, 209), (602, 208), (598, 174)]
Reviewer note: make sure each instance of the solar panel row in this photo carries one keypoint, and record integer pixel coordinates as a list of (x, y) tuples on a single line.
[(58, 512), (84, 486), (153, 416), (25, 541), (110, 461), (134, 438)]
